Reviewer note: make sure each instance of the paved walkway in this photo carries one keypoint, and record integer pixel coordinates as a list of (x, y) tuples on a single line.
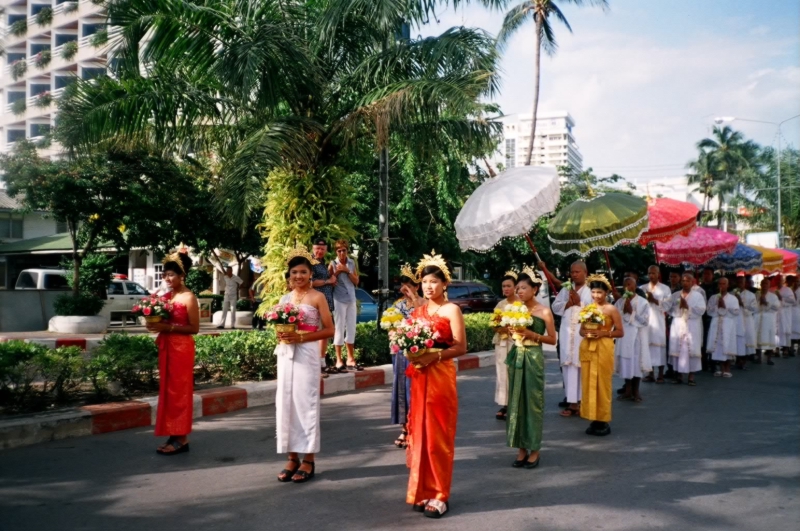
[(720, 456)]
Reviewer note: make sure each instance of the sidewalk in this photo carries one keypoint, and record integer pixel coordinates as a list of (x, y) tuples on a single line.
[(104, 418)]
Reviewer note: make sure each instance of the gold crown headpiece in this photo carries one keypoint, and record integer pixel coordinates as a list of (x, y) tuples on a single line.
[(513, 273), (433, 259), (407, 272), (174, 257), (528, 270), (300, 250), (599, 278)]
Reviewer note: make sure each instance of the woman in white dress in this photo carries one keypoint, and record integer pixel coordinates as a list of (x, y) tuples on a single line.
[(502, 344), (767, 321), (297, 398), (632, 351)]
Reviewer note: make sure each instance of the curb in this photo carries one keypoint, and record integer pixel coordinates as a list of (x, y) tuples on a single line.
[(116, 416)]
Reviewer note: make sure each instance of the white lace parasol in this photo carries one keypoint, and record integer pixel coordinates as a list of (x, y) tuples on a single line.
[(507, 206)]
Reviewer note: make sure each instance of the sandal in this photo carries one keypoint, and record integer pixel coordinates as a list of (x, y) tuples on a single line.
[(401, 441), (301, 476), (177, 448), (436, 508), (649, 379), (625, 398), (355, 367), (519, 463), (419, 507), (660, 381), (638, 399), (692, 383), (168, 443), (340, 368), (501, 415), (285, 475), (569, 412)]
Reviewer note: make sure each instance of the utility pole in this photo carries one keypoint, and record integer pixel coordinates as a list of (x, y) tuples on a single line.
[(383, 228)]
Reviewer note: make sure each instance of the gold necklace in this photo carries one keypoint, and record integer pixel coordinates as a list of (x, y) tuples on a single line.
[(298, 302)]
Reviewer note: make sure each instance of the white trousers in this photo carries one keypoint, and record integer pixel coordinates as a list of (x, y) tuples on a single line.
[(501, 385), (572, 383), (344, 319), (226, 303)]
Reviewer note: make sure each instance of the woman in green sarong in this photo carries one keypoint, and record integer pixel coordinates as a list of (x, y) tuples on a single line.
[(525, 363)]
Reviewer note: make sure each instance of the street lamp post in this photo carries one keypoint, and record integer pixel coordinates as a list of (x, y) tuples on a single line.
[(723, 119)]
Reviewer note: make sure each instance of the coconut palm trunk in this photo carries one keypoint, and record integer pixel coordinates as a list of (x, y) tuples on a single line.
[(537, 70)]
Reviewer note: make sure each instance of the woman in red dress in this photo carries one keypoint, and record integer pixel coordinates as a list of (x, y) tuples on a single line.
[(176, 358), (434, 400)]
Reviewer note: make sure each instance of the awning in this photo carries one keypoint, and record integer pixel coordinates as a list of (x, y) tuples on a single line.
[(55, 244)]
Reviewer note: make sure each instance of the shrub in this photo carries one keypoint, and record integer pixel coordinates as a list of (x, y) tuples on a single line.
[(130, 360), (19, 106), (245, 305), (479, 334), (62, 371), (17, 373), (19, 68), (99, 38), (69, 7), (237, 356), (44, 16), (82, 305), (19, 27), (43, 58), (69, 50), (198, 280), (44, 99)]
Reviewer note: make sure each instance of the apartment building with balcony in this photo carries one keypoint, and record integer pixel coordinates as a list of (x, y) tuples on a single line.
[(554, 144), (46, 44)]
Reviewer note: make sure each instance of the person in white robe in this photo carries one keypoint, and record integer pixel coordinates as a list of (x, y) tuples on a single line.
[(749, 305), (723, 308), (568, 304), (786, 326), (796, 315), (632, 351), (741, 341), (769, 307), (687, 308), (656, 294)]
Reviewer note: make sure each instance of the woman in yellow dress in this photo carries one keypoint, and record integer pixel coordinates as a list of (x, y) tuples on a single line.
[(597, 359)]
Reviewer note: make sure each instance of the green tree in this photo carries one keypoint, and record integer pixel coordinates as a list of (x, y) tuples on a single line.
[(703, 175), (540, 12)]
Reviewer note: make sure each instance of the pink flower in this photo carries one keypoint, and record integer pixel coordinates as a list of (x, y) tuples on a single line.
[(414, 349), (395, 349), (292, 319), (429, 343), (410, 335), (273, 316), (147, 311)]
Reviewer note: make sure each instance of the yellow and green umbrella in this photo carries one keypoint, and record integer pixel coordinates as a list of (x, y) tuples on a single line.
[(597, 223)]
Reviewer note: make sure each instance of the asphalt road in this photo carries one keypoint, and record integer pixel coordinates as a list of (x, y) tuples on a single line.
[(720, 456)]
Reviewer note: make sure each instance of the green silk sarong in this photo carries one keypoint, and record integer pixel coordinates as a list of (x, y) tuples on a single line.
[(526, 393)]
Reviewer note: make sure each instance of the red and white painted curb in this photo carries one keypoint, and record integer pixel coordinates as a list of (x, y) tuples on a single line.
[(105, 418)]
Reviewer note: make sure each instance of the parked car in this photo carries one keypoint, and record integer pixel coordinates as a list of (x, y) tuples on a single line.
[(42, 279), (368, 307), (472, 296)]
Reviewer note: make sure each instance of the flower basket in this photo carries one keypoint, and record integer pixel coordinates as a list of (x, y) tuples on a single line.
[(69, 50), (153, 319), (42, 59), (44, 16), (285, 329), (44, 99)]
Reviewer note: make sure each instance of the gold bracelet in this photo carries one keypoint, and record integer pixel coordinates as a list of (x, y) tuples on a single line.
[(171, 328), (440, 356)]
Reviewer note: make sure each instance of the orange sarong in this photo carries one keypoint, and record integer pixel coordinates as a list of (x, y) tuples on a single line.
[(176, 374)]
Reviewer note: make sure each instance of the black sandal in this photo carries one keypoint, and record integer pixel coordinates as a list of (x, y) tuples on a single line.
[(287, 474), (401, 441), (340, 369), (501, 415), (355, 367), (177, 448), (436, 509), (519, 463), (302, 474)]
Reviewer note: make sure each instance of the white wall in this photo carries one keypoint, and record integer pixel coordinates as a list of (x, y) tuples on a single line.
[(35, 225)]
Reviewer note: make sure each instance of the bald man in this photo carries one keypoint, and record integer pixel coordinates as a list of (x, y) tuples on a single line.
[(687, 308), (656, 294), (568, 304), (724, 311)]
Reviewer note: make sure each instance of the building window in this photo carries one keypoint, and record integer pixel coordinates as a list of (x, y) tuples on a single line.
[(38, 7), (91, 73), (158, 274), (40, 129), (38, 88), (15, 56), (15, 18), (15, 134), (64, 81), (11, 226), (64, 38), (36, 48), (511, 151), (91, 29), (14, 96)]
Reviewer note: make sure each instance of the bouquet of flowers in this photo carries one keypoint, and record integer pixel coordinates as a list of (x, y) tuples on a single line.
[(516, 317), (153, 308), (411, 337), (591, 317), (285, 317), (390, 318), (566, 285), (628, 294)]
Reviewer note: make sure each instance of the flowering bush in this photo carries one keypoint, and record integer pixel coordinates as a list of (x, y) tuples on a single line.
[(591, 313), (411, 337), (153, 307), (284, 314), (390, 318)]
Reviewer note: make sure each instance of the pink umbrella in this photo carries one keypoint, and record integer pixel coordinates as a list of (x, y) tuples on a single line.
[(668, 218), (701, 246), (789, 260)]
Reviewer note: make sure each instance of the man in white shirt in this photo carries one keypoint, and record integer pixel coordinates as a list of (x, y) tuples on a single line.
[(722, 344), (232, 283), (656, 293), (568, 304)]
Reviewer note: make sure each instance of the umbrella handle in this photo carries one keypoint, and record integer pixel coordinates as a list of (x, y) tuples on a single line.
[(547, 274), (611, 272)]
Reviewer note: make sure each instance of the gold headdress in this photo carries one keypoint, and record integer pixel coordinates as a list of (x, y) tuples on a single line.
[(174, 257), (513, 273), (599, 278), (528, 270), (433, 259), (300, 250), (407, 272)]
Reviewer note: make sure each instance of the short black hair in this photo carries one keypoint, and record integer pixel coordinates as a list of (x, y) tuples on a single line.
[(596, 284)]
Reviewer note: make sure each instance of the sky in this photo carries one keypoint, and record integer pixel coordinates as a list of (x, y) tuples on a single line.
[(645, 79)]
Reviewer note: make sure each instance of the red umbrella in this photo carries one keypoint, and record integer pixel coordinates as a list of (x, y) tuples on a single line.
[(698, 248), (669, 218)]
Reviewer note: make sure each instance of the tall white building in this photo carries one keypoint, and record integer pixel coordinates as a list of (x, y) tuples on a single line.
[(554, 144), (46, 44)]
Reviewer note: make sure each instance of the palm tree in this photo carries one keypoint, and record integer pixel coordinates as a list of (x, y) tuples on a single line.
[(729, 154), (540, 11), (703, 176)]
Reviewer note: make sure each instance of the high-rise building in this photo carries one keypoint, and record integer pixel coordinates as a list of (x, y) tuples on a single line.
[(554, 144), (46, 44)]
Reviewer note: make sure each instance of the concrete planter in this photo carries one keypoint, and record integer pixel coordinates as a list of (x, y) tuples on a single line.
[(205, 309), (243, 319), (73, 324)]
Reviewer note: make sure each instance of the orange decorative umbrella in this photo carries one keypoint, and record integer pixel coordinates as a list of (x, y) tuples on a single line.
[(771, 258), (668, 218)]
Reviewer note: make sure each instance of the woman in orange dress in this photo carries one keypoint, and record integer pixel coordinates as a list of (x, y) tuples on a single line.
[(434, 399), (176, 358), (597, 359)]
